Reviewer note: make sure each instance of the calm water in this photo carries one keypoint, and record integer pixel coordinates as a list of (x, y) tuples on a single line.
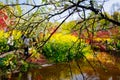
[(109, 70)]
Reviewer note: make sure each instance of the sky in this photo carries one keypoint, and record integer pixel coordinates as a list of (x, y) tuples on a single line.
[(108, 6)]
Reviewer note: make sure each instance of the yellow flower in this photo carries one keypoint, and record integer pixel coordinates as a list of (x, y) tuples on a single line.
[(16, 34)]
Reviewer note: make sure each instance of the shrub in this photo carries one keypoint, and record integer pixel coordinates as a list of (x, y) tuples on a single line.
[(3, 42), (64, 47), (4, 37), (8, 62)]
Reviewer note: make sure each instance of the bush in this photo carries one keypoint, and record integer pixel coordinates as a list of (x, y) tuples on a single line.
[(64, 47), (3, 42), (8, 62), (118, 45), (4, 37)]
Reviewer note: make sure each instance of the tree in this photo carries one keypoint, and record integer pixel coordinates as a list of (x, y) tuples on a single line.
[(33, 19), (47, 10), (116, 16)]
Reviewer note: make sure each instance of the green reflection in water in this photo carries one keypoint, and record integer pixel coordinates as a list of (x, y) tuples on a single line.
[(108, 70), (62, 72)]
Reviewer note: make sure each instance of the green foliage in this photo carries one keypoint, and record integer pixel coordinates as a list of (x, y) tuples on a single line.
[(69, 26), (3, 42), (19, 10), (116, 16), (118, 45), (17, 38), (3, 45), (62, 48), (44, 1), (4, 37), (24, 66), (8, 62)]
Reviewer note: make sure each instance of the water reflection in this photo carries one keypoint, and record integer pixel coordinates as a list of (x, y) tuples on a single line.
[(63, 72), (82, 71)]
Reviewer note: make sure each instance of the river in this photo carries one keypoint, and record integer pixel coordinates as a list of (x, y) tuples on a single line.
[(106, 67)]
